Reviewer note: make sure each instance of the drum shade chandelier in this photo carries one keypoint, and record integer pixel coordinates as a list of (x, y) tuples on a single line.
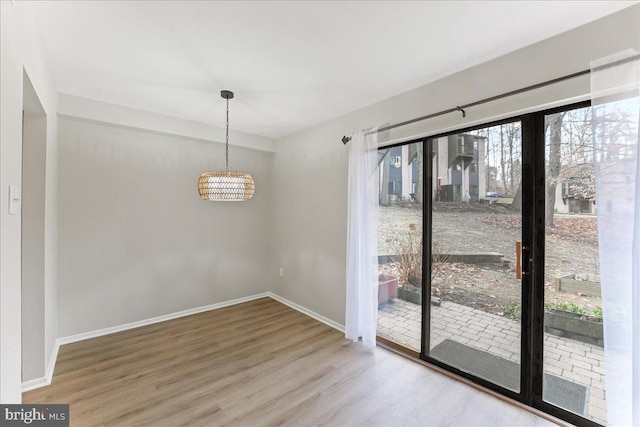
[(223, 185)]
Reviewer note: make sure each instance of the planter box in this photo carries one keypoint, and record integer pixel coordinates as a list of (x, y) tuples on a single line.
[(574, 326), (414, 295), (569, 283), (466, 258), (411, 294), (472, 258), (387, 288)]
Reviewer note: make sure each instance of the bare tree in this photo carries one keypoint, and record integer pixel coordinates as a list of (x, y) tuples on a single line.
[(503, 161), (554, 122), (577, 139), (510, 141)]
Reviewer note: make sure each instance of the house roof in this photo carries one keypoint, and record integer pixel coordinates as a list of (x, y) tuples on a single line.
[(580, 181)]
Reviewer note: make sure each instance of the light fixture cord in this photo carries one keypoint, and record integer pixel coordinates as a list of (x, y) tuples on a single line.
[(227, 159)]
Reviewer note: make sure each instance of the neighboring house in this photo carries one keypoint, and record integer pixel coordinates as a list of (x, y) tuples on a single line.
[(575, 190), (403, 171), (458, 175)]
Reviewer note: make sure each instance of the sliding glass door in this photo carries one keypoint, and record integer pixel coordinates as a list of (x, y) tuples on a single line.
[(476, 237), (400, 245), (573, 353), (488, 258)]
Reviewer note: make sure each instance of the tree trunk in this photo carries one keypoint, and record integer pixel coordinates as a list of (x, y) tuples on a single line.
[(420, 178), (553, 168), (503, 172), (512, 182), (517, 199)]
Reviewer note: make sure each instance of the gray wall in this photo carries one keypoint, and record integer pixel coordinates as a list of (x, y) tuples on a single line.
[(135, 239), (309, 235), (34, 161)]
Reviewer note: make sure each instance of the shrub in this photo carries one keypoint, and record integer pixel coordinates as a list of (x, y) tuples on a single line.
[(513, 310), (408, 250), (572, 307)]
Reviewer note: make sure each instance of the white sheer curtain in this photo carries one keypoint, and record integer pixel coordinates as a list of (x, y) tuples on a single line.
[(615, 104), (362, 227)]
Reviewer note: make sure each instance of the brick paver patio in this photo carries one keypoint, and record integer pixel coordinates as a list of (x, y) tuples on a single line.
[(575, 361)]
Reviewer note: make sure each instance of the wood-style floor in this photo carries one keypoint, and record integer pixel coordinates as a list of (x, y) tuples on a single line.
[(259, 363)]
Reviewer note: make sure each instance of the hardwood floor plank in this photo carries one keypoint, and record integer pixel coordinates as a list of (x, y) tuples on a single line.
[(259, 363)]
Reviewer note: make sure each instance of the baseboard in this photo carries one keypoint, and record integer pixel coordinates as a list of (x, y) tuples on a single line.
[(111, 330), (304, 310), (35, 383)]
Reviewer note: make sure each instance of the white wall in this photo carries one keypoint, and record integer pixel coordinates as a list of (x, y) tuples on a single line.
[(21, 51), (406, 170), (309, 236), (482, 171), (136, 239)]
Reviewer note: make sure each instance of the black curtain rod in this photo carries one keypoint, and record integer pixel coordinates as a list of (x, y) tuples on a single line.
[(462, 108)]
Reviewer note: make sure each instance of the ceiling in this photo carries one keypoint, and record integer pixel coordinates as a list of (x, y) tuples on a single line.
[(291, 64)]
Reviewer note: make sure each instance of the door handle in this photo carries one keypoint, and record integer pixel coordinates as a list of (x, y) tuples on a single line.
[(526, 260), (523, 260)]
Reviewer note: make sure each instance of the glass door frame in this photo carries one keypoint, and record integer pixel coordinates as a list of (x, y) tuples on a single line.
[(527, 216), (538, 260), (533, 253)]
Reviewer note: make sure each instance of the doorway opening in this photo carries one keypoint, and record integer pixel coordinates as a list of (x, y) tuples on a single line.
[(34, 152)]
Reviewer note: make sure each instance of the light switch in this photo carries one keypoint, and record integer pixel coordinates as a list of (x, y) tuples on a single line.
[(14, 200)]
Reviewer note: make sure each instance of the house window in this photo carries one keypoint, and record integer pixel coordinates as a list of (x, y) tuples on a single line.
[(395, 187)]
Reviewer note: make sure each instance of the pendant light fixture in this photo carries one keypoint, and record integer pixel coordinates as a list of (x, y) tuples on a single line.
[(224, 185)]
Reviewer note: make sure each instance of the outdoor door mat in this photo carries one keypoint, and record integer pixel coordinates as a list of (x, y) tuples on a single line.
[(503, 372)]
